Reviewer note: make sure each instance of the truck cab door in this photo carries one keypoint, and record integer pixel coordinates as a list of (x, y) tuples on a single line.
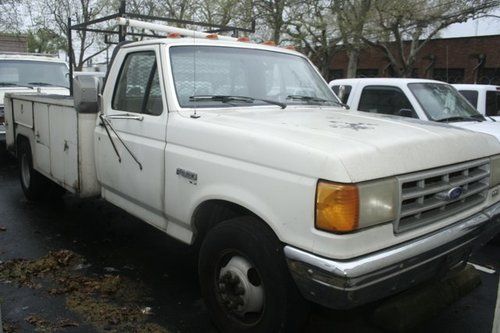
[(130, 137), (388, 100)]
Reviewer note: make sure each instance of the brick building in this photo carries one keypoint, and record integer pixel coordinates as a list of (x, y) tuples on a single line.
[(454, 60), (13, 43)]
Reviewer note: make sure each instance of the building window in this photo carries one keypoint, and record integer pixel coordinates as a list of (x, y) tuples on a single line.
[(450, 75), (335, 74), (367, 72), (489, 76)]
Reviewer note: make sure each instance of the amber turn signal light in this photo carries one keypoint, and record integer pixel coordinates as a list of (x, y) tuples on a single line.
[(174, 35), (269, 43), (212, 36), (337, 207)]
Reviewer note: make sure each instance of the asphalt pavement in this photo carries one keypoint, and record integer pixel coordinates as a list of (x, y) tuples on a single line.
[(87, 266)]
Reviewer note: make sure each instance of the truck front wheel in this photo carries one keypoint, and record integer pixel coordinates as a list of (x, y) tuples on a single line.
[(245, 280), (32, 183)]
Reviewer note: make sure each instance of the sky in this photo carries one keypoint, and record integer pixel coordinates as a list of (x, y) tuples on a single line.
[(484, 26)]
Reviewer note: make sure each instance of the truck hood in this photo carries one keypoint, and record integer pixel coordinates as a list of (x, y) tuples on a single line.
[(22, 90), (333, 144), (488, 127)]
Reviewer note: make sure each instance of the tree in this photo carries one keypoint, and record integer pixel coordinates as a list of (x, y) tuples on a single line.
[(403, 28), (352, 19), (53, 15), (45, 40), (10, 16), (313, 27), (272, 14)]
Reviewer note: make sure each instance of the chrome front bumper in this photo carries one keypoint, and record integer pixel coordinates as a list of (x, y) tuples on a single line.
[(343, 284)]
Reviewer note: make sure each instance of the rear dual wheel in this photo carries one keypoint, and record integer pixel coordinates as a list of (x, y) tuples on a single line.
[(245, 280), (35, 186)]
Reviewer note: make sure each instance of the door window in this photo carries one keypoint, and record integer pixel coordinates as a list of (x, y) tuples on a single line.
[(471, 96), (342, 92), (138, 86), (385, 100), (492, 103)]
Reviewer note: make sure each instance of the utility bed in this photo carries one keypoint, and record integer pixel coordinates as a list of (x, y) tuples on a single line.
[(61, 139)]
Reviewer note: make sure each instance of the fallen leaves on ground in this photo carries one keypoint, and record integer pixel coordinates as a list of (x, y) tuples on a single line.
[(112, 303), (10, 327), (43, 325)]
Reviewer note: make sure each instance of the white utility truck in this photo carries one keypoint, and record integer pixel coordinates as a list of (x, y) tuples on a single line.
[(243, 150), (413, 98), (484, 97), (27, 72)]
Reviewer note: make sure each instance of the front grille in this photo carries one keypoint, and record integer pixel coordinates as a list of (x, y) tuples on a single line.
[(425, 196)]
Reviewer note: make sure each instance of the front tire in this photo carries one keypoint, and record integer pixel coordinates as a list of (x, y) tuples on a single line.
[(245, 280), (32, 182)]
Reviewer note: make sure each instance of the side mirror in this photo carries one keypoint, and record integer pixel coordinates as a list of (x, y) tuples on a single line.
[(409, 113)]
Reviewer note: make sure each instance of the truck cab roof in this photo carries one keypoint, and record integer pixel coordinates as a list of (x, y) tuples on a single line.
[(212, 42), (380, 80), (30, 57), (477, 87)]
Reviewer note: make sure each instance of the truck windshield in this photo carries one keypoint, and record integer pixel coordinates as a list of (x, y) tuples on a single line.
[(33, 73), (248, 74), (441, 102)]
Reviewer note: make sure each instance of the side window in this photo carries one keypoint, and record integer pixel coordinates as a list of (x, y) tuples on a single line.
[(492, 103), (342, 92), (384, 100), (471, 96), (138, 87)]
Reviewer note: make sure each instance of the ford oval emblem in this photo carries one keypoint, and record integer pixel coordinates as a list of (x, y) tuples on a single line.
[(454, 193)]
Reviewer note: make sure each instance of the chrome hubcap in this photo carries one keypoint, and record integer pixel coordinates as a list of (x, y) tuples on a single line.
[(240, 287), (25, 170)]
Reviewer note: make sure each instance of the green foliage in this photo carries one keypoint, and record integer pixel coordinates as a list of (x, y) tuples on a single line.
[(45, 40)]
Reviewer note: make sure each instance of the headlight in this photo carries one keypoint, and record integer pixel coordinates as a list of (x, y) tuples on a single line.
[(342, 208), (495, 170)]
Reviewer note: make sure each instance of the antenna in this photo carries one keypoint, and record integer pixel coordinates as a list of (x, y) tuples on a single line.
[(195, 114)]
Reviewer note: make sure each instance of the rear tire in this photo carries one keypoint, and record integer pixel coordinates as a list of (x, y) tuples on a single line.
[(33, 183), (245, 280)]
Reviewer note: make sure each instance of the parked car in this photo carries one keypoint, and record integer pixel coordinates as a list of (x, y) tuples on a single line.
[(484, 97), (26, 73), (287, 197), (423, 99)]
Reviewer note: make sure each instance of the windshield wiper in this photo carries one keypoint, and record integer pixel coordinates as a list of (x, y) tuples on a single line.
[(45, 84), (460, 118), (307, 98), (316, 100), (12, 84), (230, 98), (478, 117)]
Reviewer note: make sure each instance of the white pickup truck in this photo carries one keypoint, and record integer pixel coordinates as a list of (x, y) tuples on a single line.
[(484, 97), (413, 98), (243, 150), (24, 72)]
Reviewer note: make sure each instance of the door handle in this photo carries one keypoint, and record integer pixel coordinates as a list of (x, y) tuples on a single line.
[(125, 116)]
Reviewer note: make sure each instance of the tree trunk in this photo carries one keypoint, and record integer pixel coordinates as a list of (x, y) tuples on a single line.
[(352, 66)]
